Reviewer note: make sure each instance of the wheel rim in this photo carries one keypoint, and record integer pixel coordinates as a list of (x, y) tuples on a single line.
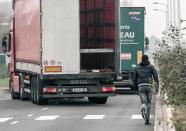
[(11, 90), (37, 94), (32, 90), (21, 87), (38, 100), (21, 92), (35, 91)]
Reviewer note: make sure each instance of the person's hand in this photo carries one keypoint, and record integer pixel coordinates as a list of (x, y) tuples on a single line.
[(156, 91), (156, 87)]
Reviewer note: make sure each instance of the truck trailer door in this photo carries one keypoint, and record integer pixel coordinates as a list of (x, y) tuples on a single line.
[(60, 36)]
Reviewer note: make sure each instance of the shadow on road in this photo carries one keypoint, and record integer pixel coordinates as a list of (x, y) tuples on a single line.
[(127, 92), (83, 102)]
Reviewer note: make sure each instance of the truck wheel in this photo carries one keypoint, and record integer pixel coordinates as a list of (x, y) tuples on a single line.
[(33, 90), (23, 94), (102, 100), (92, 99), (98, 100), (39, 99), (13, 94)]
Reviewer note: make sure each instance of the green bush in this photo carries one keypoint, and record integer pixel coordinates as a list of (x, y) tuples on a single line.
[(180, 118), (171, 62)]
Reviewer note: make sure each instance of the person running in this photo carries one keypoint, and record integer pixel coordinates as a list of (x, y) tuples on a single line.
[(143, 78)]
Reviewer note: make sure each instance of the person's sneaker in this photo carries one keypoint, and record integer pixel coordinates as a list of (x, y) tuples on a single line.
[(143, 113), (147, 122)]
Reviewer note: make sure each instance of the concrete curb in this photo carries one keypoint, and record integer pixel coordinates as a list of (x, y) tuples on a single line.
[(163, 116)]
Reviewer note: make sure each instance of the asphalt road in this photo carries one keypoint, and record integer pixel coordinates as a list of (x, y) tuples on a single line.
[(121, 113)]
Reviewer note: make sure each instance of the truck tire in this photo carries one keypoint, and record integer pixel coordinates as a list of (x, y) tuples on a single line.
[(33, 90), (39, 99), (13, 94), (98, 100), (92, 99), (101, 100), (23, 94)]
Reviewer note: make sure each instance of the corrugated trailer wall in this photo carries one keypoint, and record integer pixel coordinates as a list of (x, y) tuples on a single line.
[(98, 29), (27, 30)]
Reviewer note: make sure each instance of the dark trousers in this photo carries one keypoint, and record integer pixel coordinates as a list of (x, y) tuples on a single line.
[(145, 93)]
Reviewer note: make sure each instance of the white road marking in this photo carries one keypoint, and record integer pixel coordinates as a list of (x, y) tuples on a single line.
[(118, 116), (30, 115), (5, 119), (94, 117), (70, 117), (44, 109), (42, 118), (139, 117), (14, 122)]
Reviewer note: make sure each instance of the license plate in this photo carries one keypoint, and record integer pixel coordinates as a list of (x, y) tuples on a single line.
[(76, 82), (79, 90)]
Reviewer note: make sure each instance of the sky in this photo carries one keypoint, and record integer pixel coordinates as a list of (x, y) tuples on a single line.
[(155, 20)]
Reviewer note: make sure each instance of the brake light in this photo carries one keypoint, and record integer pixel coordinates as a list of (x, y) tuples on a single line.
[(108, 89), (49, 90)]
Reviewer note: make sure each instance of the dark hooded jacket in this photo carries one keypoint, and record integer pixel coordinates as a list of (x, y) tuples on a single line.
[(145, 73)]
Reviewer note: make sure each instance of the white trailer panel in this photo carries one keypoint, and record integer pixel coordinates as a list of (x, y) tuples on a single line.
[(60, 36)]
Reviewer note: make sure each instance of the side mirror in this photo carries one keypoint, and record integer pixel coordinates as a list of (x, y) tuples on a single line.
[(6, 44)]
